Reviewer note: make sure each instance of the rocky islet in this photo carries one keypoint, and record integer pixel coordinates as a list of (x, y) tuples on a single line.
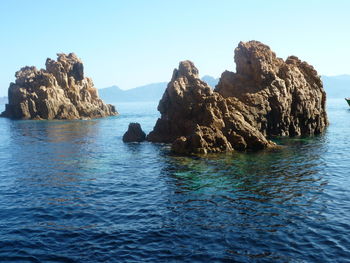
[(61, 91), (266, 97)]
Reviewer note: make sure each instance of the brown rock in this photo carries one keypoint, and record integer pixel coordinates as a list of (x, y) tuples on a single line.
[(281, 98), (202, 140), (134, 133), (197, 120), (59, 92), (266, 97)]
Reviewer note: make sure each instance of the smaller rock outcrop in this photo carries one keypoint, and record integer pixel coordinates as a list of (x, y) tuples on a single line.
[(134, 133), (61, 91)]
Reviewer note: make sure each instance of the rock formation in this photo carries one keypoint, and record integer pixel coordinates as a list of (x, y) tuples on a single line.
[(282, 98), (197, 120), (134, 133), (266, 97), (59, 92)]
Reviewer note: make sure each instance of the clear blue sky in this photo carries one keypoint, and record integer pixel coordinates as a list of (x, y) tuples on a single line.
[(131, 43)]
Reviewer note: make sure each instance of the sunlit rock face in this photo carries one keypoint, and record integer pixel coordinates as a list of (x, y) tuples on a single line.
[(282, 98), (197, 120), (266, 97), (61, 91)]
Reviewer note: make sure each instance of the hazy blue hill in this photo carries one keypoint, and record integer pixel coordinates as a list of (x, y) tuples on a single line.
[(150, 92), (3, 100), (337, 86), (212, 82), (113, 91)]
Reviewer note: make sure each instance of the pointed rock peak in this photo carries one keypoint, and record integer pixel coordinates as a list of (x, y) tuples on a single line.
[(293, 60), (187, 69), (70, 64), (253, 45), (71, 57), (254, 58), (254, 49)]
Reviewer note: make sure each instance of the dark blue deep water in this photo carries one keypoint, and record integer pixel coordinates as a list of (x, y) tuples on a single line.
[(71, 191)]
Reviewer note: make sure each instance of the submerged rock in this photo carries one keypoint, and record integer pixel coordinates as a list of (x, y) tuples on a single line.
[(134, 133), (58, 92), (266, 97)]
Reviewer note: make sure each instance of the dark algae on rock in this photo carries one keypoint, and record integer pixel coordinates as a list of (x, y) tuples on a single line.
[(266, 97), (61, 91)]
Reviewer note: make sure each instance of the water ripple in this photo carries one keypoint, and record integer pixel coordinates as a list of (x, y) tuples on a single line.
[(71, 191)]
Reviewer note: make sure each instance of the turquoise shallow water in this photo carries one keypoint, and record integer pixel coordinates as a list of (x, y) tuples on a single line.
[(71, 191)]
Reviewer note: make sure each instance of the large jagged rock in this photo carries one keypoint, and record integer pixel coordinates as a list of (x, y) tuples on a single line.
[(59, 92), (197, 120), (281, 98), (266, 97)]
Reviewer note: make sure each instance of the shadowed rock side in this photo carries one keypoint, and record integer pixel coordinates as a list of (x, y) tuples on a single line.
[(265, 98), (59, 92), (134, 133)]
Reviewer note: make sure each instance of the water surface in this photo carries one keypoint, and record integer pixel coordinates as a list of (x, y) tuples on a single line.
[(71, 191)]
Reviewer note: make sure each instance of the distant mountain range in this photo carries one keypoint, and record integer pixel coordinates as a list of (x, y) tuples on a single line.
[(151, 92), (335, 86), (211, 81), (3, 100)]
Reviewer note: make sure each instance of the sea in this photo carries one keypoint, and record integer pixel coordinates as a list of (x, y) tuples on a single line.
[(72, 191)]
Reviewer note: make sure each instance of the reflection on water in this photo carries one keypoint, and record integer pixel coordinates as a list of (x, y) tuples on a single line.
[(61, 149), (57, 163), (254, 202), (71, 191)]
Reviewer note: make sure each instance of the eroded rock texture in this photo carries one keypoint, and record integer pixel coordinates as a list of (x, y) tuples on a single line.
[(266, 97), (281, 98), (59, 92), (197, 120)]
